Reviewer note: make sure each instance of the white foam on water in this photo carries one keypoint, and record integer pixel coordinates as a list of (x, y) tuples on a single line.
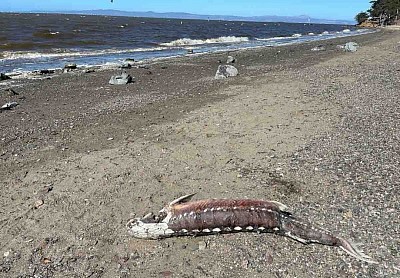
[(187, 41), (273, 39), (14, 55)]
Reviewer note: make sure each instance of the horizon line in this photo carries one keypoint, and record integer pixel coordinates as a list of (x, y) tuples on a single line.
[(186, 13)]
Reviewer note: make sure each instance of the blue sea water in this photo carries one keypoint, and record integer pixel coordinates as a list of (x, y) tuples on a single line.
[(30, 42)]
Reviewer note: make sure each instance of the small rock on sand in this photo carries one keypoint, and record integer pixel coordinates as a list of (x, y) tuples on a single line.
[(230, 60), (9, 105), (122, 79), (4, 77), (70, 66), (318, 48), (38, 204)]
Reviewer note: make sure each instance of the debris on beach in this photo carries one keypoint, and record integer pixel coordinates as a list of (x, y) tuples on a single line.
[(9, 105), (318, 48), (4, 77), (230, 60), (122, 79), (225, 71), (351, 47), (190, 51)]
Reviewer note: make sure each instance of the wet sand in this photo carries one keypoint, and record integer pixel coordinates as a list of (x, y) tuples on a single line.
[(317, 131)]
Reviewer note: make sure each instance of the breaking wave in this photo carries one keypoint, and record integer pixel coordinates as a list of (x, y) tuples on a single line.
[(189, 42), (14, 55)]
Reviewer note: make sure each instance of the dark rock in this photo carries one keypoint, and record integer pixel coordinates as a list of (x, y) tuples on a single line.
[(70, 66), (129, 60), (4, 77), (122, 79), (89, 70), (225, 71), (46, 71), (164, 67), (143, 67)]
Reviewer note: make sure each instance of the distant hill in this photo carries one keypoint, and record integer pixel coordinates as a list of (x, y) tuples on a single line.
[(266, 18)]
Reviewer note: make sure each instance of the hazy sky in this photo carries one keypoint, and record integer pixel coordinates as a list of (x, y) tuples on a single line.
[(338, 9)]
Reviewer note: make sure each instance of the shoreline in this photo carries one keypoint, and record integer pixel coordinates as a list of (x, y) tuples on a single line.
[(184, 48), (150, 79), (81, 157)]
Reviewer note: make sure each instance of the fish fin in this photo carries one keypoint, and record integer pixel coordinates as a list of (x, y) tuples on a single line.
[(352, 249), (182, 199), (281, 206)]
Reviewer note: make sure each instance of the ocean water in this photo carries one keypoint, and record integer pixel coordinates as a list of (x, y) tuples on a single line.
[(30, 42)]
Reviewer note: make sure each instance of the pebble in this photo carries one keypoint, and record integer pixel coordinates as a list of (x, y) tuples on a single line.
[(38, 204), (202, 245)]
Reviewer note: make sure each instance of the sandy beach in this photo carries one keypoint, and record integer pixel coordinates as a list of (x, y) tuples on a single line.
[(316, 130)]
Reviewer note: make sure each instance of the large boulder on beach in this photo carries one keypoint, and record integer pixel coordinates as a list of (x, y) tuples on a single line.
[(4, 77), (122, 79), (225, 71), (351, 47)]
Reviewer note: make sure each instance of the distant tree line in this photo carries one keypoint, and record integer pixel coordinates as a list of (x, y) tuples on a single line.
[(383, 11)]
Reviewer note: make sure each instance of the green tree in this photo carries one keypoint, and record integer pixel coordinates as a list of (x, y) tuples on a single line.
[(389, 7), (361, 17)]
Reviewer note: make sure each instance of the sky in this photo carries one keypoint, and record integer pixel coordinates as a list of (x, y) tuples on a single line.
[(338, 9)]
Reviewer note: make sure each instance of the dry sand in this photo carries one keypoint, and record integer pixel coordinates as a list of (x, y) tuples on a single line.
[(317, 131)]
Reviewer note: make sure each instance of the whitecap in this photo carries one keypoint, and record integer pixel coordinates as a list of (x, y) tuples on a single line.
[(187, 41)]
